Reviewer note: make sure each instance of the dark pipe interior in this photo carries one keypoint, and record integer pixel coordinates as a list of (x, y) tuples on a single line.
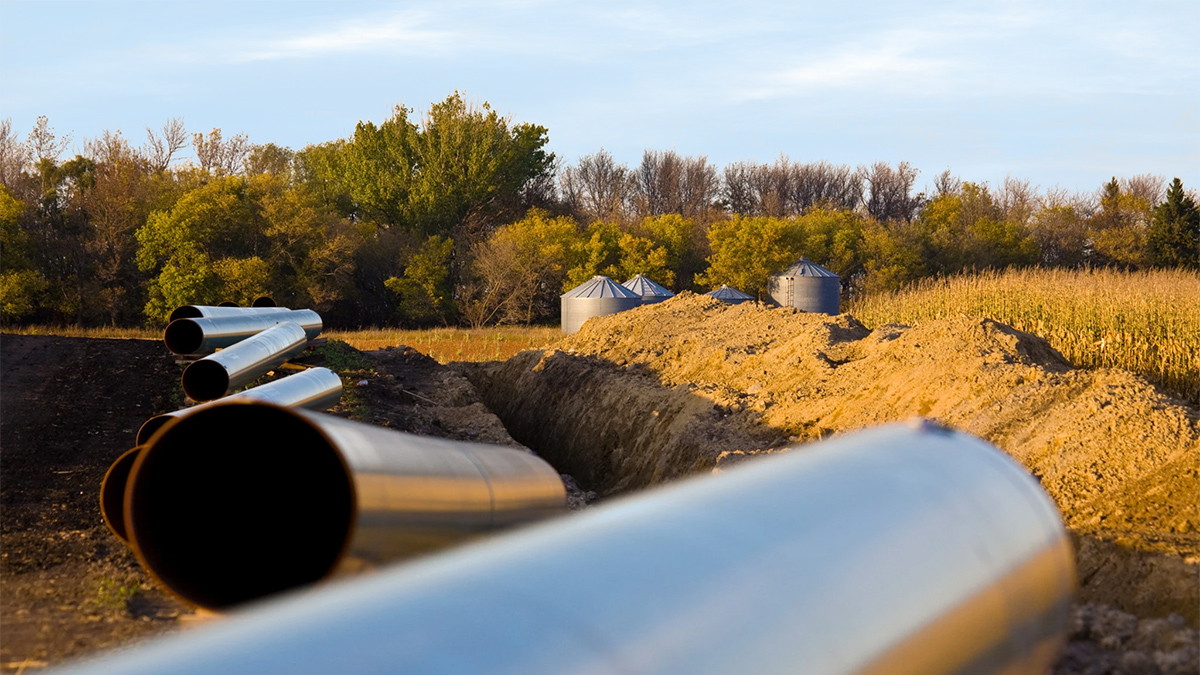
[(228, 303), (237, 502), (112, 493), (263, 301), (150, 426), (205, 380), (185, 312), (183, 336)]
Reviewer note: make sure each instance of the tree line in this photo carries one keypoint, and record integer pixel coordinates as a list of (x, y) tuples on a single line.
[(460, 215)]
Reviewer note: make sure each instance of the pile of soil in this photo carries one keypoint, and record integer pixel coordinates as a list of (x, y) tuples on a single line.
[(691, 384), (70, 406)]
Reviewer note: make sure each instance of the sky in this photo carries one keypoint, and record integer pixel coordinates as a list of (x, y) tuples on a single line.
[(1063, 94)]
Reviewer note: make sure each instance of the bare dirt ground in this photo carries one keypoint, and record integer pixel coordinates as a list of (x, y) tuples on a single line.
[(69, 407), (690, 385)]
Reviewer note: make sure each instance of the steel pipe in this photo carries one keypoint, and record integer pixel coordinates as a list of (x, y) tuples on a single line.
[(218, 374), (210, 311), (263, 301), (312, 389), (208, 334), (112, 492), (245, 499), (898, 549)]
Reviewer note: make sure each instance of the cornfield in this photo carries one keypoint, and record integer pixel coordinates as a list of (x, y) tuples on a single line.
[(1144, 322)]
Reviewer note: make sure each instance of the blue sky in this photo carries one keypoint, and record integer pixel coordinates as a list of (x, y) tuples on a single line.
[(1066, 93)]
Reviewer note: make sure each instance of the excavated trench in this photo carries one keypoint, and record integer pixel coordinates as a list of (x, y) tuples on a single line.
[(690, 385)]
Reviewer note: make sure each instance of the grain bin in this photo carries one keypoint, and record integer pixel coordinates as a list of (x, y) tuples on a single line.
[(650, 291), (596, 297), (806, 286), (730, 295)]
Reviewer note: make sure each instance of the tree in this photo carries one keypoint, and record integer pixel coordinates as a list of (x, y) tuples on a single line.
[(597, 188), (1118, 230), (747, 250), (1173, 239), (424, 290), (218, 156), (181, 247), (889, 191), (161, 148), (519, 271)]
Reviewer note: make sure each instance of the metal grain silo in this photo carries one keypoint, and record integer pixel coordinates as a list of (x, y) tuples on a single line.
[(596, 297), (730, 295), (650, 291), (808, 287)]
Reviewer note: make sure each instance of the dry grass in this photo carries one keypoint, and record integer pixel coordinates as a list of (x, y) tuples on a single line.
[(76, 331), (455, 344), (443, 344), (1145, 322)]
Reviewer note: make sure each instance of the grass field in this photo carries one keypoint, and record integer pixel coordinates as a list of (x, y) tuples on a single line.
[(454, 344), (1145, 322), (443, 344)]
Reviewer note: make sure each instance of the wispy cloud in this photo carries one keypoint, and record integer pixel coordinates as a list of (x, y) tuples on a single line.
[(393, 33), (896, 59)]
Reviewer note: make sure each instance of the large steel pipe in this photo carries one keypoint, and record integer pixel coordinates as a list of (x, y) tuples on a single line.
[(312, 388), (206, 335), (211, 311), (244, 499), (218, 374), (898, 549)]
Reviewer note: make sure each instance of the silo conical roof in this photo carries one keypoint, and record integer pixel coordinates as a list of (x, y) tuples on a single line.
[(806, 268), (600, 286), (645, 287), (729, 294)]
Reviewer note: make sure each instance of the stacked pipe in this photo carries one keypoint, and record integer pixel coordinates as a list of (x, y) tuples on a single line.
[(260, 476), (253, 341), (900, 549)]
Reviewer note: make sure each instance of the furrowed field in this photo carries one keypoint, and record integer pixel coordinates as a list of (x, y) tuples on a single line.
[(1144, 322)]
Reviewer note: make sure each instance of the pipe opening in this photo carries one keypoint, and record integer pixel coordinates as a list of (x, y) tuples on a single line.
[(263, 301), (237, 502), (150, 426), (183, 336), (185, 312), (205, 380), (112, 492), (228, 303)]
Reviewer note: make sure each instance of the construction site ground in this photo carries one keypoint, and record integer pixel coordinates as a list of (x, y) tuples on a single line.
[(633, 400)]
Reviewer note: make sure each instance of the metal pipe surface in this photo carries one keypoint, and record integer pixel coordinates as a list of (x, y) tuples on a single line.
[(897, 549), (312, 389), (207, 335), (112, 493), (217, 374), (210, 311), (244, 499)]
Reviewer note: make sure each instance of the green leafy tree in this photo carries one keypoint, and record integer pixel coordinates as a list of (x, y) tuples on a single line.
[(1173, 239), (746, 250), (218, 221), (639, 255), (519, 271), (424, 290), (1118, 229), (597, 252)]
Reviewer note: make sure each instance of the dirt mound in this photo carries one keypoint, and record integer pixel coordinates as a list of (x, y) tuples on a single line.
[(692, 383)]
